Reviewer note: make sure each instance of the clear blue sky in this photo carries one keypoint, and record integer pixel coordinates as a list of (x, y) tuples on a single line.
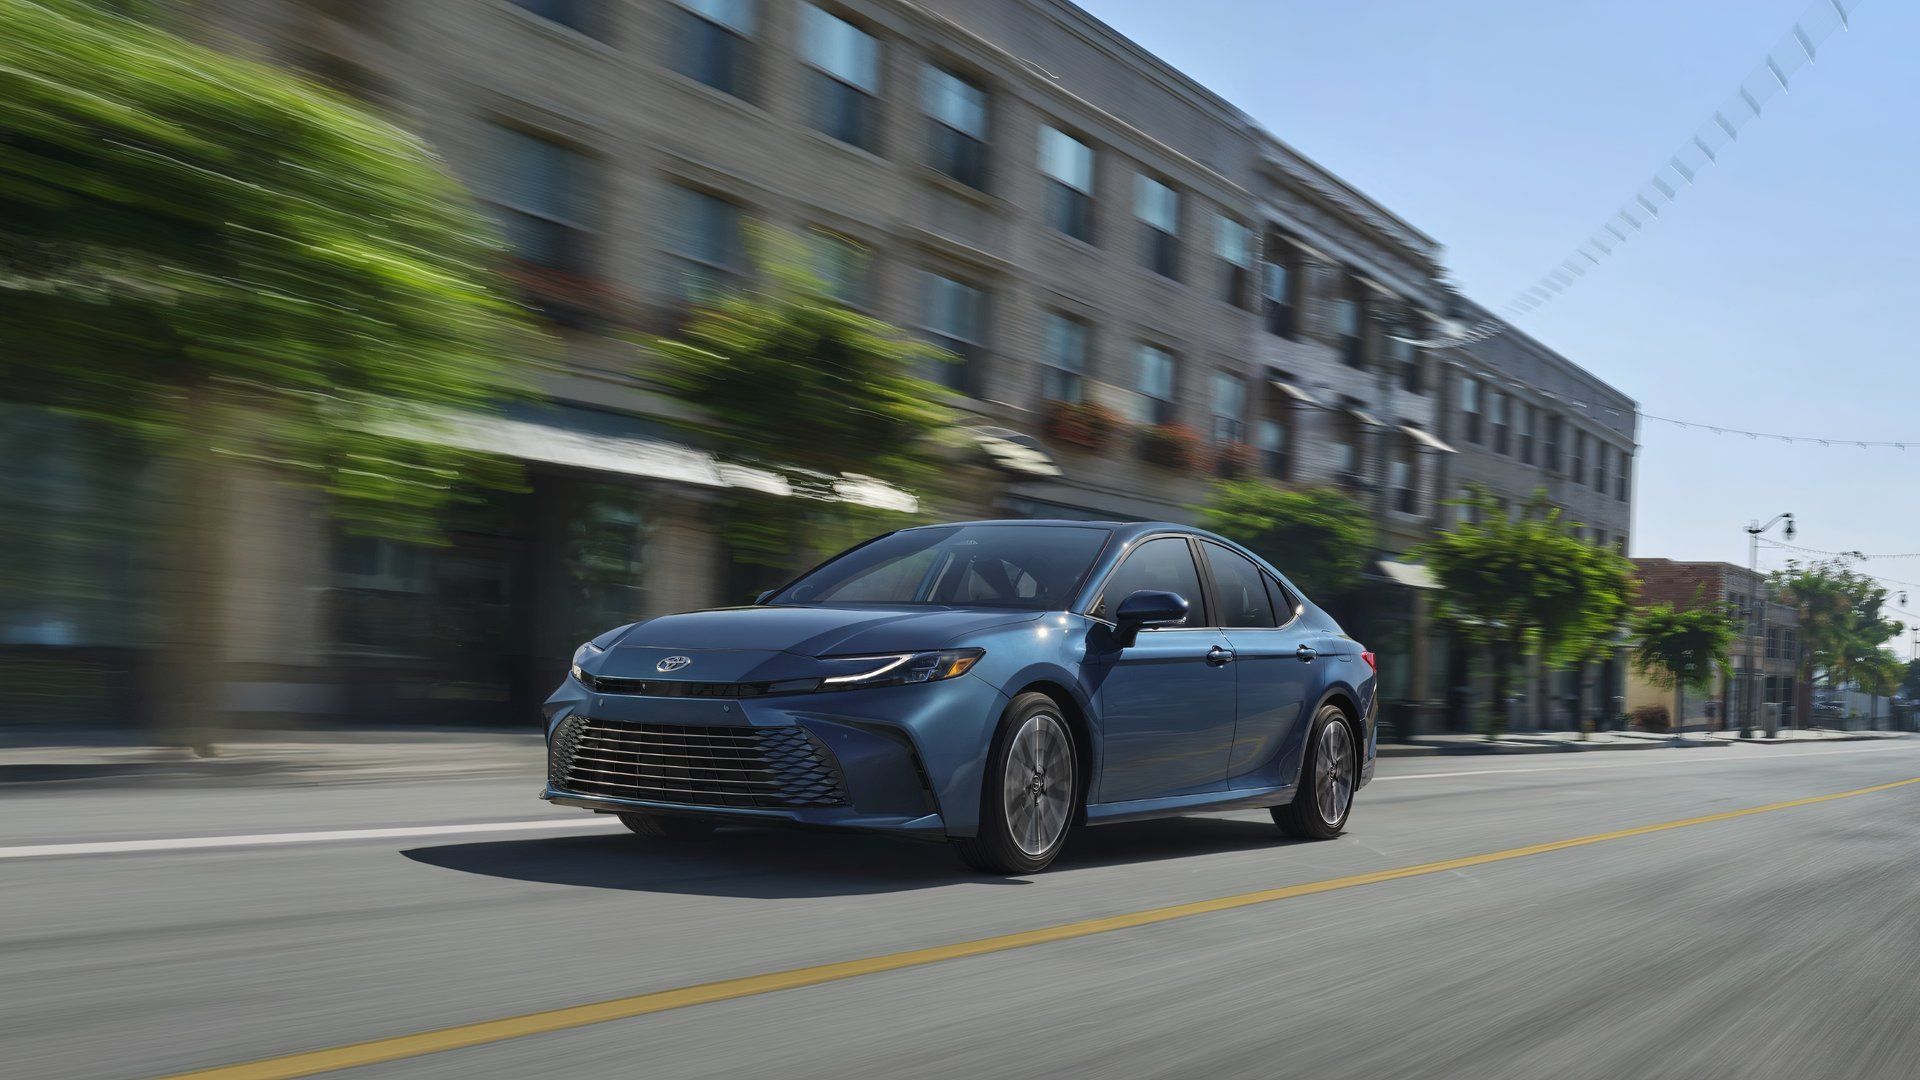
[(1779, 294)]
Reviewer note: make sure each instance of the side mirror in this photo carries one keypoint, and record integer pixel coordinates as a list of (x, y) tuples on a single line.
[(764, 597), (1147, 608)]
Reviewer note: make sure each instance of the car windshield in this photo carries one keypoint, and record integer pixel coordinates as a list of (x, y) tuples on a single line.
[(1020, 566)]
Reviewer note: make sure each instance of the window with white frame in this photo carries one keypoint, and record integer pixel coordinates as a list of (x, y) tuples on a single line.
[(1270, 438), (1154, 379), (1233, 243), (956, 125), (1470, 418), (1063, 358), (538, 190), (1067, 163), (706, 244), (844, 77), (1229, 407), (712, 41), (951, 317), (1157, 207)]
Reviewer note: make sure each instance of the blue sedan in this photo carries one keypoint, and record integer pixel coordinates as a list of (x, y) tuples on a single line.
[(989, 683)]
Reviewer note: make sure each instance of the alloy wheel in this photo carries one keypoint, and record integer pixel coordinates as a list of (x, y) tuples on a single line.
[(1333, 787), (1038, 786)]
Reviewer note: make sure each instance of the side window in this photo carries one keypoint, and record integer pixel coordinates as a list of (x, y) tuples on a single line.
[(1165, 564), (1241, 593), (1284, 602)]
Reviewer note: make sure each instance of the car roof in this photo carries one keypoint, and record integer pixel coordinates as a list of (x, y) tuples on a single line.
[(1126, 530)]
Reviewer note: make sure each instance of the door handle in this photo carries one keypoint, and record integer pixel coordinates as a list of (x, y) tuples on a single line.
[(1305, 654), (1217, 656)]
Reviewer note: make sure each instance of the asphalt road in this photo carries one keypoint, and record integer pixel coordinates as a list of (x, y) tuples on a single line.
[(1780, 943)]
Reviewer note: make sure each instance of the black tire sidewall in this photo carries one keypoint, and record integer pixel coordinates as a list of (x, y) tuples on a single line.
[(995, 841)]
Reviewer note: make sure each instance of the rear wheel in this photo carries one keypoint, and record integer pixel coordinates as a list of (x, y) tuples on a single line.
[(1030, 792), (1328, 778), (667, 826)]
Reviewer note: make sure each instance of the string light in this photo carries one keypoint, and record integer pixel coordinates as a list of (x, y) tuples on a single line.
[(1842, 554), (1772, 76)]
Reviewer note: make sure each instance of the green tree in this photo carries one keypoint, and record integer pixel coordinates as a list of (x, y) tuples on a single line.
[(1839, 616), (792, 383), (1682, 649), (1879, 674), (237, 267), (1526, 587), (1321, 537)]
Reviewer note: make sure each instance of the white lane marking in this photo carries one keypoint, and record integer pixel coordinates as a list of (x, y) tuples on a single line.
[(189, 843), (1771, 755)]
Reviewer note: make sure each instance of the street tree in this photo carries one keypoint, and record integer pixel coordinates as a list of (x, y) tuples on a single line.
[(1878, 673), (237, 267), (1682, 649), (1525, 587), (1320, 536), (1840, 621), (785, 379)]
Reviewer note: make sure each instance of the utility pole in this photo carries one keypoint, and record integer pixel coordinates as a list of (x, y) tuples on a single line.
[(1754, 529)]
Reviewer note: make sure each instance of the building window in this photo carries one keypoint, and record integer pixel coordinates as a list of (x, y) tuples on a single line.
[(538, 190), (706, 245), (1550, 445), (1577, 455), (1229, 407), (843, 268), (1154, 372), (845, 77), (1343, 453), (1064, 361), (1400, 481), (572, 14), (1067, 164), (1620, 477), (1600, 454), (711, 41), (957, 126), (1470, 408), (1348, 318), (1523, 421), (1158, 208), (1233, 242), (951, 319), (1277, 287), (1405, 358), (1270, 438), (1497, 419)]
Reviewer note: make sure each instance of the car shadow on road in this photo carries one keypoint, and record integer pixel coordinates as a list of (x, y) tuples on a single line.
[(782, 864)]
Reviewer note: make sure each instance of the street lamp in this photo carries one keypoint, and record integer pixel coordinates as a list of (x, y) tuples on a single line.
[(1754, 530)]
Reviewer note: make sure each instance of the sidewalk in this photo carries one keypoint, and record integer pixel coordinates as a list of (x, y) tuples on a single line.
[(1564, 742), (311, 756)]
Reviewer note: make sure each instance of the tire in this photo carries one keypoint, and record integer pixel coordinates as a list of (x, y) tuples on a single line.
[(668, 826), (1328, 778), (1033, 753)]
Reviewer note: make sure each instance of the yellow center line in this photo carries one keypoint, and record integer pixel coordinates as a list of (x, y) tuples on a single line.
[(490, 1031)]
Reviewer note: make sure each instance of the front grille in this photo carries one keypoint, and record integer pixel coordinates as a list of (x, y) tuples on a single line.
[(695, 766), (606, 684)]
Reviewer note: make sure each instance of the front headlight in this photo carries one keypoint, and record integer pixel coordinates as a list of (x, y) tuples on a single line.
[(589, 649), (898, 669)]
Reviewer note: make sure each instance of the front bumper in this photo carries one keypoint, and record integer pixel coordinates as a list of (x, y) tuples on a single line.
[(910, 756)]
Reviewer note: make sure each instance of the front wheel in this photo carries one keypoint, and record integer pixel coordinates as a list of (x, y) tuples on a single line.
[(1324, 797), (1031, 786)]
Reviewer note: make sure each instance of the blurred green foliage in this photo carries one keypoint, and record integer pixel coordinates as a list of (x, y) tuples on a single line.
[(1320, 537), (1524, 586), (1683, 648), (239, 265), (786, 380), (1839, 609)]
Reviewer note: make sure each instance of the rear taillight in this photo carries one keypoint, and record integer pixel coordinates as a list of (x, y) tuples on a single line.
[(1372, 664)]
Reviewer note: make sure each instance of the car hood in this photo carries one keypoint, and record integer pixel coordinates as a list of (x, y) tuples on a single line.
[(811, 630)]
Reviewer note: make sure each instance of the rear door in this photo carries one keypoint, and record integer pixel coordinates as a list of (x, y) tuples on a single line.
[(1275, 675), (1167, 702)]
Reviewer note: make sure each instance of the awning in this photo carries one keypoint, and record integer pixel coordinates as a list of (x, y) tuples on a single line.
[(1409, 575), (1364, 417), (1426, 439), (1015, 452), (1292, 392), (629, 455)]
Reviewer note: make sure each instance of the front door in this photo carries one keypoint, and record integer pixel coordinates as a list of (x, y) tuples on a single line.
[(1166, 702)]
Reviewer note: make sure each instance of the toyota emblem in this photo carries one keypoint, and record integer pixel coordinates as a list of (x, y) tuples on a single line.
[(673, 663)]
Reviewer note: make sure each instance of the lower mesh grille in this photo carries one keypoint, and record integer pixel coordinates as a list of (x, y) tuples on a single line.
[(696, 766)]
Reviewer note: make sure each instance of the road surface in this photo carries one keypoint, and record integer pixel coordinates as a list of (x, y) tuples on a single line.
[(459, 928)]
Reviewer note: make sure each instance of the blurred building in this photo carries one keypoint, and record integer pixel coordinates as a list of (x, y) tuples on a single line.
[(1766, 650), (1083, 225)]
